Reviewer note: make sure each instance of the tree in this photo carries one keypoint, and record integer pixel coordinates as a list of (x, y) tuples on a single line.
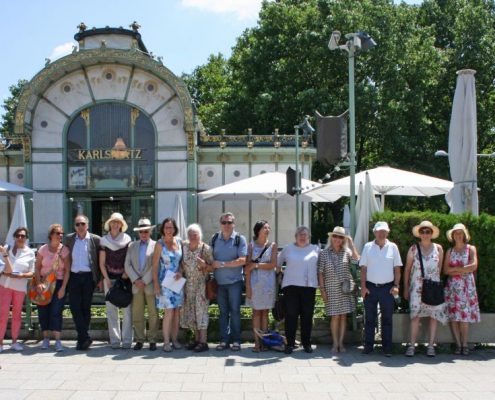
[(10, 106)]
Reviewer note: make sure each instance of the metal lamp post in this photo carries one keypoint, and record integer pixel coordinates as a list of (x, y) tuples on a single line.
[(354, 42)]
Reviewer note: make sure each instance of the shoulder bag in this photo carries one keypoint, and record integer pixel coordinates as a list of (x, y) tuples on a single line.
[(49, 282), (432, 293)]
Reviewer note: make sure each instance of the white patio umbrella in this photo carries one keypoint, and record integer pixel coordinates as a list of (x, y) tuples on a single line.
[(367, 207), (267, 186), (7, 189), (388, 181), (179, 217), (463, 146)]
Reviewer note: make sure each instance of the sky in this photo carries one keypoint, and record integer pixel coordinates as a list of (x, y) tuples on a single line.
[(183, 32)]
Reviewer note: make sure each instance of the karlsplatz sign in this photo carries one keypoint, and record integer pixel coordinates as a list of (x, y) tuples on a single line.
[(107, 154)]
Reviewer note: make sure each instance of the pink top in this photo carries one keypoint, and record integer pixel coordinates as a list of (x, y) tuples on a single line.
[(48, 259)]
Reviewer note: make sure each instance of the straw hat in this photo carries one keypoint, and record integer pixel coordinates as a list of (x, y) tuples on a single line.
[(144, 224), (458, 227), (381, 226), (426, 224), (338, 231), (116, 217)]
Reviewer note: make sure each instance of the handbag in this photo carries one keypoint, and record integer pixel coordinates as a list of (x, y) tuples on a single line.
[(120, 294), (211, 287), (48, 283), (432, 292), (347, 284)]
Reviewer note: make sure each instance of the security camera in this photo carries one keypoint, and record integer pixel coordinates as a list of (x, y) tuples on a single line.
[(334, 40)]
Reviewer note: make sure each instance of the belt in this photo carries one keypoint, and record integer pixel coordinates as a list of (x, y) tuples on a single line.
[(81, 272), (379, 284)]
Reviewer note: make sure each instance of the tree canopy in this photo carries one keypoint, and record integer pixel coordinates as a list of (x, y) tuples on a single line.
[(282, 69)]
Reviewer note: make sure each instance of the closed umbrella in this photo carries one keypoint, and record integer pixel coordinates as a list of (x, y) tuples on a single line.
[(179, 217), (463, 146), (18, 219), (368, 206)]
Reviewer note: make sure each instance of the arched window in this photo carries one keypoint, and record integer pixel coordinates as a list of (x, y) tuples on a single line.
[(110, 146)]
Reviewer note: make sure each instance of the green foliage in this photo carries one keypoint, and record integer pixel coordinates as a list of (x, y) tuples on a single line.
[(480, 228), (282, 69), (10, 105)]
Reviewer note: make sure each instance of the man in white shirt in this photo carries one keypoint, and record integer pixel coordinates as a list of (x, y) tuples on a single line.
[(380, 277)]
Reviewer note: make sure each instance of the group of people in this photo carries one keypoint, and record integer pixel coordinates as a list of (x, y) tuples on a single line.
[(171, 274)]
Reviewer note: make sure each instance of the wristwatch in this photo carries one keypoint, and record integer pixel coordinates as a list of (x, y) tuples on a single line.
[(222, 264), (257, 266)]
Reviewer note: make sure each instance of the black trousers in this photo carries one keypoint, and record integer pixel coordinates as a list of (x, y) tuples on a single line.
[(81, 287), (299, 304)]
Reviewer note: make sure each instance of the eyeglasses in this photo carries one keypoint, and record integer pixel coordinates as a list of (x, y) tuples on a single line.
[(425, 231), (227, 222), (80, 223), (20, 236)]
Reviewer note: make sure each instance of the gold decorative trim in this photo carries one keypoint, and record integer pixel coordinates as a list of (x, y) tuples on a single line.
[(85, 116), (134, 116)]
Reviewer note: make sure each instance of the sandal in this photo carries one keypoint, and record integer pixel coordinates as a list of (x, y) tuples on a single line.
[(235, 346), (176, 345), (222, 346), (430, 351), (200, 347), (458, 350), (410, 351), (256, 349), (167, 348), (465, 351), (191, 346)]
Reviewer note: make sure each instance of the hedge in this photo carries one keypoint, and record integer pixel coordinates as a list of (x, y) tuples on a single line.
[(481, 229)]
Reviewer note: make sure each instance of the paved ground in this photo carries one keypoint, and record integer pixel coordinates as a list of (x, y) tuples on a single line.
[(102, 373)]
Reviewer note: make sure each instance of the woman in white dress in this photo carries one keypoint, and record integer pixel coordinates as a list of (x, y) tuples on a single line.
[(432, 255)]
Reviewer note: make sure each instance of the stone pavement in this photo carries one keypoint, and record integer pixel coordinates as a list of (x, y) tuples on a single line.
[(103, 373)]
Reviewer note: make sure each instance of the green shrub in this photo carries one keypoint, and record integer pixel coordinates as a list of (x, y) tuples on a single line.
[(481, 229)]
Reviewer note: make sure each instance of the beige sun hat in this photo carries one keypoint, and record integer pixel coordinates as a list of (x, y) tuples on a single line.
[(338, 231), (458, 227), (144, 224), (426, 224), (116, 217)]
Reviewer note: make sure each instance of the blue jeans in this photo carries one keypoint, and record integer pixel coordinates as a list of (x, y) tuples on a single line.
[(50, 316), (378, 295), (229, 303)]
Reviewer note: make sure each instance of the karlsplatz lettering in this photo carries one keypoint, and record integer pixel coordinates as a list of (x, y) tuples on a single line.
[(109, 154)]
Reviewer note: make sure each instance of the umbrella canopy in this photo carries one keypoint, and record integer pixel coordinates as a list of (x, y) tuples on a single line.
[(463, 146), (267, 186), (367, 206), (18, 219), (388, 181), (9, 189), (179, 217)]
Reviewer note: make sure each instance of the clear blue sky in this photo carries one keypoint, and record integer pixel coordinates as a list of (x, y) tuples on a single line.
[(184, 32)]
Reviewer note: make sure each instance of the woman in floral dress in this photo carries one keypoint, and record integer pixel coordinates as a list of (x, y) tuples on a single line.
[(260, 278), (432, 255), (167, 257), (196, 263), (461, 262)]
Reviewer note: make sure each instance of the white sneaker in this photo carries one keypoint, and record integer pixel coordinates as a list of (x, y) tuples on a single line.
[(16, 346), (58, 346), (46, 344)]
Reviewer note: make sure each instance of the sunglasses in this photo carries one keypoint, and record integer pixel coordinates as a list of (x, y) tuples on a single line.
[(426, 231), (338, 237), (20, 236), (227, 222), (58, 233), (80, 223)]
